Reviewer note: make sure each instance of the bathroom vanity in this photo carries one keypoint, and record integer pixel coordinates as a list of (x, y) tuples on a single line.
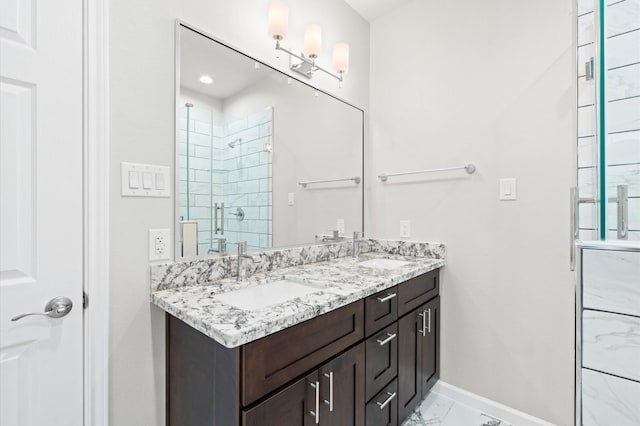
[(361, 348)]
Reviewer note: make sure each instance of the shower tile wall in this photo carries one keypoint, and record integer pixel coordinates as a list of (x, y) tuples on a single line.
[(227, 163), (622, 153)]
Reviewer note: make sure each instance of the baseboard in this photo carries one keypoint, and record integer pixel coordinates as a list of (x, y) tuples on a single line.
[(492, 408)]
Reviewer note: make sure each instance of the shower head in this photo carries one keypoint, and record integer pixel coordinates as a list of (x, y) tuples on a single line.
[(232, 144)]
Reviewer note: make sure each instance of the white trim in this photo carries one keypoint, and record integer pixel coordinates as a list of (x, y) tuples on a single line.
[(96, 211), (492, 408)]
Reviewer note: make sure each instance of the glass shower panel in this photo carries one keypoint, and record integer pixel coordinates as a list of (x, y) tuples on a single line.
[(588, 153), (608, 119)]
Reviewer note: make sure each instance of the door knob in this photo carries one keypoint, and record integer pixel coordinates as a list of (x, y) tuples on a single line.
[(55, 308)]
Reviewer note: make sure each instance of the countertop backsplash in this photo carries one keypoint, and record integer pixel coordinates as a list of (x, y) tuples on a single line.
[(207, 271)]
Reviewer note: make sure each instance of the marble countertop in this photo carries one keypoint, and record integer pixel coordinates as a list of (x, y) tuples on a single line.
[(339, 282)]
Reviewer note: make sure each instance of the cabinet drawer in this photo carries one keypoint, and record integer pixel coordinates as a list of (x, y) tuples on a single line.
[(380, 310), (382, 410), (381, 359), (417, 291), (274, 360)]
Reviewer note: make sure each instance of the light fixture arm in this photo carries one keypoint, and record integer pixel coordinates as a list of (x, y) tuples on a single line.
[(314, 66)]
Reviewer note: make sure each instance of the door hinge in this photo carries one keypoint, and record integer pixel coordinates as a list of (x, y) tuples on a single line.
[(85, 300)]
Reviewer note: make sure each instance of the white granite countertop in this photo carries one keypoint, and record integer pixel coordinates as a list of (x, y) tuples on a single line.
[(339, 281)]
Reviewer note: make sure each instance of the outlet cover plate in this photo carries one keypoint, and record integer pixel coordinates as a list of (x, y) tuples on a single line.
[(405, 229), (159, 244)]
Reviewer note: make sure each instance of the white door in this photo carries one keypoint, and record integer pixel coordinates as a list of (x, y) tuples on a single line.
[(41, 218)]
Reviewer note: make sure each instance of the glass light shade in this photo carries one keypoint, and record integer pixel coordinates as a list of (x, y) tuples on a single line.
[(278, 20), (312, 41), (341, 58)]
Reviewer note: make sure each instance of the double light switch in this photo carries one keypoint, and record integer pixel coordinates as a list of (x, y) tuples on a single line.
[(145, 180)]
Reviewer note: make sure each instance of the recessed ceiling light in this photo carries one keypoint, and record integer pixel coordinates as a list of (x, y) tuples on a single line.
[(206, 79)]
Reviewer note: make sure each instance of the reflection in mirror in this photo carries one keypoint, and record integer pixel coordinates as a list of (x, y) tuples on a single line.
[(252, 143)]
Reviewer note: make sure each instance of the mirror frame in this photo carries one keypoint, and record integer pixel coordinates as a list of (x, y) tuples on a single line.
[(180, 24)]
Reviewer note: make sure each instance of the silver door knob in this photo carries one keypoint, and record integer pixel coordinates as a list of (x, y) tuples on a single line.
[(55, 308)]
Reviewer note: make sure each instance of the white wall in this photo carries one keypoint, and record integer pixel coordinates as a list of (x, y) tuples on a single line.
[(142, 129), (491, 82)]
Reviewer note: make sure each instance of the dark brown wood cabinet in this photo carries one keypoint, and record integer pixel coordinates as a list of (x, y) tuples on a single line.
[(418, 355), (371, 362), (332, 395), (382, 410), (291, 406)]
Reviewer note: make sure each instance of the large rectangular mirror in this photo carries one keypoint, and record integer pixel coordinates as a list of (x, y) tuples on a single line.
[(260, 156)]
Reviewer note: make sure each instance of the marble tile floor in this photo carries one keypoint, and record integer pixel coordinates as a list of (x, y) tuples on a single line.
[(438, 410)]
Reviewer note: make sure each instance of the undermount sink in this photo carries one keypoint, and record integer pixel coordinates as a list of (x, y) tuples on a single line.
[(259, 297), (381, 263)]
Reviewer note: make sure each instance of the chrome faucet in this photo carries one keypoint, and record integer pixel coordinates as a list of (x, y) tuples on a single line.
[(357, 241), (335, 236), (242, 261)]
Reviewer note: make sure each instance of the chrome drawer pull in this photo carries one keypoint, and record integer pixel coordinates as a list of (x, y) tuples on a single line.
[(424, 323), (390, 337), (316, 414), (330, 401), (429, 323), (386, 298), (387, 401)]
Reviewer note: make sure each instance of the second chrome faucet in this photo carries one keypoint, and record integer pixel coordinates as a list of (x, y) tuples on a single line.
[(243, 257)]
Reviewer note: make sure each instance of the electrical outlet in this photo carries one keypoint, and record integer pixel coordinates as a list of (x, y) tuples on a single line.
[(340, 226), (159, 244), (405, 229)]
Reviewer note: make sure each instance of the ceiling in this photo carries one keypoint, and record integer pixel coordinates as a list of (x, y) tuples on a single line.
[(201, 56), (373, 9)]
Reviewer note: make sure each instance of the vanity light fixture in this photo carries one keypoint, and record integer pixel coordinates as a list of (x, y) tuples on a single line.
[(306, 62), (206, 79)]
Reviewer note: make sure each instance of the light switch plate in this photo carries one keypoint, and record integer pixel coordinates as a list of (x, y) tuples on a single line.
[(508, 189), (159, 244), (405, 229), (291, 200), (145, 180)]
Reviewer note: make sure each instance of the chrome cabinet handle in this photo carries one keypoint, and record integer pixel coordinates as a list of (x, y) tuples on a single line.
[(429, 321), (55, 308), (389, 296), (316, 414), (387, 401), (330, 401), (390, 337), (423, 314)]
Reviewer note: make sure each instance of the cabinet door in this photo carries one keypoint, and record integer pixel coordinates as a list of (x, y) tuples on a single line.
[(430, 345), (295, 405), (342, 389), (410, 346)]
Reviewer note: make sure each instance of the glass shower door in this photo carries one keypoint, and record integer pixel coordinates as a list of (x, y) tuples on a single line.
[(607, 199)]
